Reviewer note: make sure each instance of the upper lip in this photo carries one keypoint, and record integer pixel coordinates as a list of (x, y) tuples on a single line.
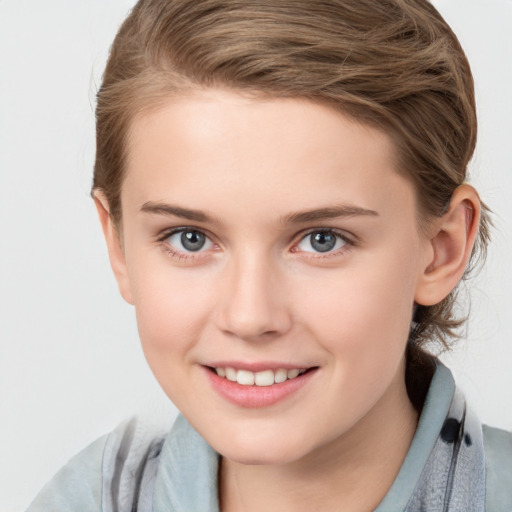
[(257, 366)]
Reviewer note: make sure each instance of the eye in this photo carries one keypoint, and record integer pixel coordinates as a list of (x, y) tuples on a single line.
[(189, 240), (323, 240)]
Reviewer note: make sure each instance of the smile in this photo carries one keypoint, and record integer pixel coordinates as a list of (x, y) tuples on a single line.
[(262, 378), (262, 387)]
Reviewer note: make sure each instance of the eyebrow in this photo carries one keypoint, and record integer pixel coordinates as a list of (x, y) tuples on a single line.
[(176, 211), (293, 218), (329, 213)]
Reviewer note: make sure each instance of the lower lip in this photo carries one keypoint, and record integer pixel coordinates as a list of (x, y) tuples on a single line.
[(257, 396)]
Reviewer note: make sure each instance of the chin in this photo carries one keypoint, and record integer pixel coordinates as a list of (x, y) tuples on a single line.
[(272, 452), (259, 459)]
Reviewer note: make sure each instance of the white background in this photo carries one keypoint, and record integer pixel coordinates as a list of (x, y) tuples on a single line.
[(70, 363)]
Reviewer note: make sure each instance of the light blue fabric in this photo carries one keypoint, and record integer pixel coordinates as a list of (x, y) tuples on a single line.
[(133, 466), (77, 487), (187, 475)]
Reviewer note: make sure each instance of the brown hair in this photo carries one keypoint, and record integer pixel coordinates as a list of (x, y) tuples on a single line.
[(394, 64)]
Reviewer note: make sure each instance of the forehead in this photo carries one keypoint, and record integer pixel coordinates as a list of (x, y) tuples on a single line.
[(217, 144)]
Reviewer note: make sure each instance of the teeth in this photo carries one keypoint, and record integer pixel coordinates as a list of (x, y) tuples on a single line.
[(293, 373), (263, 378), (280, 376), (245, 378), (231, 374)]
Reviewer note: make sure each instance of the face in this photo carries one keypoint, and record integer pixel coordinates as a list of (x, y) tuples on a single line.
[(273, 255)]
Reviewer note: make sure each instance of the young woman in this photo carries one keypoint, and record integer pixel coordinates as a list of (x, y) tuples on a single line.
[(282, 188)]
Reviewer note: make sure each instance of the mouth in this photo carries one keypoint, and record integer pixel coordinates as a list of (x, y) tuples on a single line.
[(262, 388), (262, 378)]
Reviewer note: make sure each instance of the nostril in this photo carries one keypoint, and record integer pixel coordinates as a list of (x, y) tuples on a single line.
[(252, 335)]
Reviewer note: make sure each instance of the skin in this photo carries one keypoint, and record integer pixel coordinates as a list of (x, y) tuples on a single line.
[(259, 292)]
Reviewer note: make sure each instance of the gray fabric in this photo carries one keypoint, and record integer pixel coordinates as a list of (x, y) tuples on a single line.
[(453, 480), (498, 455), (435, 411), (129, 466)]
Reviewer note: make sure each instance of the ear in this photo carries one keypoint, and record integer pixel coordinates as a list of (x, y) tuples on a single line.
[(450, 247), (114, 246)]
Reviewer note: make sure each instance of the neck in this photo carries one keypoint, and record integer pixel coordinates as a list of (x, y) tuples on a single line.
[(353, 472)]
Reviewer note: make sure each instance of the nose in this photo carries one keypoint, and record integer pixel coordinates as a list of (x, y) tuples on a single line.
[(253, 303)]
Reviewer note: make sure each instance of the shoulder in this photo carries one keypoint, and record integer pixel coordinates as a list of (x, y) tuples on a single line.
[(498, 456), (77, 486), (107, 475)]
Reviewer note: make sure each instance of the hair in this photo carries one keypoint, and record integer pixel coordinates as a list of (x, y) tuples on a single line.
[(392, 64)]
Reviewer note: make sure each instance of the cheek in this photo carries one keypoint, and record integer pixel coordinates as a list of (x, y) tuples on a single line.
[(362, 320), (172, 312), (363, 310), (172, 308)]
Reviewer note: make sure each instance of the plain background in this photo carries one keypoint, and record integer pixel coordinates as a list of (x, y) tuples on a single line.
[(70, 363)]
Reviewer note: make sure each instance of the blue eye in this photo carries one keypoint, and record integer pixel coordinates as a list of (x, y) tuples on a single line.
[(323, 240), (189, 240)]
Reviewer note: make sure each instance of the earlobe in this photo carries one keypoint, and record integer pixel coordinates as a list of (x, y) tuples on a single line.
[(114, 246), (450, 247)]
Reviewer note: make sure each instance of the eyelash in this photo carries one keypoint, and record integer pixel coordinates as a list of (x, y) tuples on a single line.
[(348, 242), (176, 253)]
